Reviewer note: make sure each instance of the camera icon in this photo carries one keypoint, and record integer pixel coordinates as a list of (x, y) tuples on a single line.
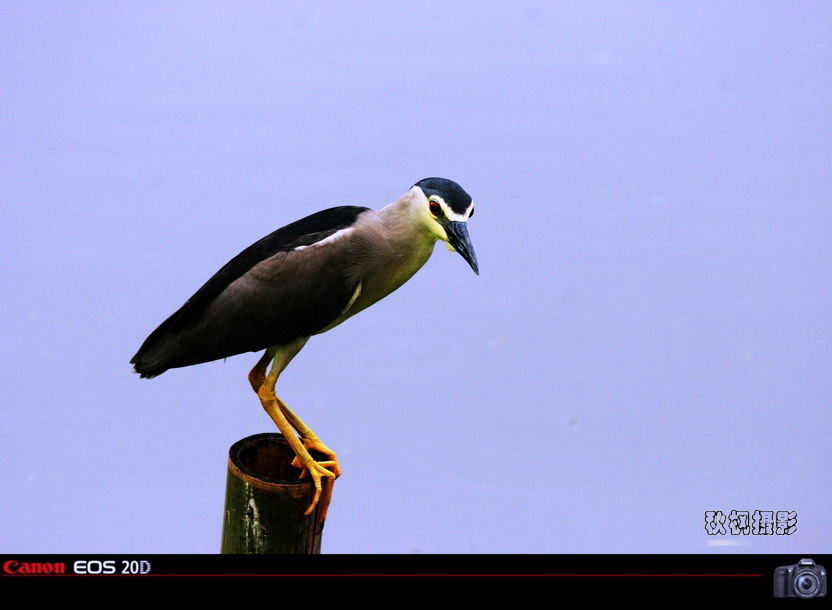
[(806, 579)]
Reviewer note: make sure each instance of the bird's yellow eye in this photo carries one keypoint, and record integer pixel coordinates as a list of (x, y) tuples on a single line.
[(435, 209)]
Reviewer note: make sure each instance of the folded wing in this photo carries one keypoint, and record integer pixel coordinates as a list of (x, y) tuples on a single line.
[(290, 284)]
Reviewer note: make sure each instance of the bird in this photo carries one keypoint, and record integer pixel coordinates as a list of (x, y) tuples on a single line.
[(303, 280)]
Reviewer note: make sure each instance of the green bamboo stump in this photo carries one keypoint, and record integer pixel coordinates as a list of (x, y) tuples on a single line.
[(265, 500)]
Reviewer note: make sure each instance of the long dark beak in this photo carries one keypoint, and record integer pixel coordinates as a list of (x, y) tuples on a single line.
[(458, 238)]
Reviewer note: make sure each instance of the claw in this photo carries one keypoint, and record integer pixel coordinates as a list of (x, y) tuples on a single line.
[(318, 471), (314, 443), (329, 469)]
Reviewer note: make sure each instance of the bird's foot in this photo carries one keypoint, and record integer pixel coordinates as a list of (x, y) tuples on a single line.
[(330, 469), (319, 471), (313, 443)]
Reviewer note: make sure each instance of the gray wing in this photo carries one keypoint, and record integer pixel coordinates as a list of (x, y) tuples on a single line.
[(289, 295)]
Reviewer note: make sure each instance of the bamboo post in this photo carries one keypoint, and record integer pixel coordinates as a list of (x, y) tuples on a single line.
[(265, 500)]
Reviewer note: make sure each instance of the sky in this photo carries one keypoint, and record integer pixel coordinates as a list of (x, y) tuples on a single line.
[(649, 338)]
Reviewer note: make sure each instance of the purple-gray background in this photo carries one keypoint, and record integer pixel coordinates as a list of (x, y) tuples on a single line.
[(650, 338)]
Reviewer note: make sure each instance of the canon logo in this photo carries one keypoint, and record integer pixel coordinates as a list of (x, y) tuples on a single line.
[(28, 567)]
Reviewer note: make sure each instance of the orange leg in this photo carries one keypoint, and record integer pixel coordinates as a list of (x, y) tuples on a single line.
[(291, 426)]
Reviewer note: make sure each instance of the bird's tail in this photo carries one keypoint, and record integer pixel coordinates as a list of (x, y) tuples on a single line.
[(161, 351)]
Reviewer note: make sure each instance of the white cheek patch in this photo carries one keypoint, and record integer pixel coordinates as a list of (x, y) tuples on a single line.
[(453, 217), (464, 216), (428, 219), (450, 214)]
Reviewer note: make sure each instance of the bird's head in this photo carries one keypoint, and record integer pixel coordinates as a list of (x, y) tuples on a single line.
[(444, 208)]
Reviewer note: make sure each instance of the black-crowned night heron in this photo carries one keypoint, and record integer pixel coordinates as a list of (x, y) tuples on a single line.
[(303, 280)]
